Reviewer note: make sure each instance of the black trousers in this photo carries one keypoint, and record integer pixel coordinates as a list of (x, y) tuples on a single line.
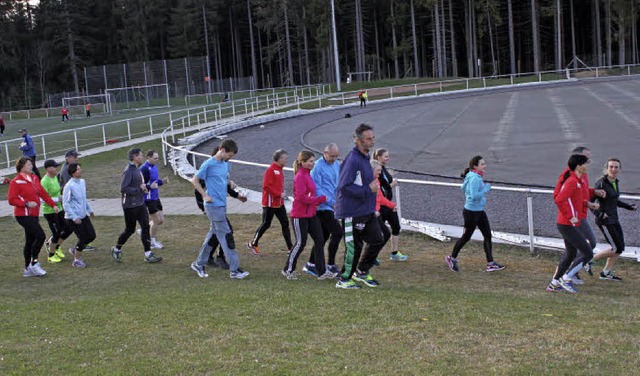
[(574, 242), (614, 236), (139, 215), (358, 230), (34, 238), (331, 231), (84, 231), (473, 219), (303, 227), (59, 226), (391, 217), (267, 217)]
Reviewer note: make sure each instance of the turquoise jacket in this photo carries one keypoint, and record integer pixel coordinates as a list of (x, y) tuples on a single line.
[(475, 189)]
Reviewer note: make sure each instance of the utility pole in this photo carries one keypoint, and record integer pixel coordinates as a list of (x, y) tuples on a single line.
[(335, 46)]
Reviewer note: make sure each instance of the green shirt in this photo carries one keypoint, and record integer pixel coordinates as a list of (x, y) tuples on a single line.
[(52, 186)]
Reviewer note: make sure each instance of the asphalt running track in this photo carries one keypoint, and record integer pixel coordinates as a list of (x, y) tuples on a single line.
[(524, 133)]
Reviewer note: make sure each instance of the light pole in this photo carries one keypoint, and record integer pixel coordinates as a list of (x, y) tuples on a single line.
[(335, 46)]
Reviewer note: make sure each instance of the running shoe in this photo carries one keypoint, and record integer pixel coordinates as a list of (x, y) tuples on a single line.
[(610, 276), (567, 286), (37, 270), (333, 269), (577, 281), (156, 244), (327, 275), (376, 263), (398, 257), (494, 266), (72, 251), (290, 275), (453, 263), (89, 248), (28, 272), (59, 253), (255, 250), (311, 270), (588, 267), (54, 259), (47, 244), (152, 259), (552, 288), (199, 270), (116, 254), (239, 274), (79, 264), (348, 285), (366, 278)]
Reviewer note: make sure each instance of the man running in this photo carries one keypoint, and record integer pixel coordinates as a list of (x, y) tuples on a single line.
[(152, 199)]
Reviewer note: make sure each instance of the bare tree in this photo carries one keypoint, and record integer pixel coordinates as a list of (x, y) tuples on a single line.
[(534, 33), (512, 49), (254, 69), (416, 64), (454, 60)]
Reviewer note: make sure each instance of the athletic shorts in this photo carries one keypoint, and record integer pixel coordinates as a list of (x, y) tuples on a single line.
[(154, 206)]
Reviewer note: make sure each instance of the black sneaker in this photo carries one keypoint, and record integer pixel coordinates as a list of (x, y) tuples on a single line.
[(588, 267), (610, 276)]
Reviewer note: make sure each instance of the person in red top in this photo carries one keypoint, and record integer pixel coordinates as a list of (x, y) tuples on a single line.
[(273, 202), (303, 216), (65, 114), (25, 192), (570, 199)]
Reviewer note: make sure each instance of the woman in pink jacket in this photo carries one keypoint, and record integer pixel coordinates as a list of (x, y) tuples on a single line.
[(303, 216), (25, 192)]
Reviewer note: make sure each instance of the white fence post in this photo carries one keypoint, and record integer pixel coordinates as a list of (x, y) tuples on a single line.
[(104, 136), (44, 150), (150, 125), (530, 220), (128, 129), (6, 150), (75, 138)]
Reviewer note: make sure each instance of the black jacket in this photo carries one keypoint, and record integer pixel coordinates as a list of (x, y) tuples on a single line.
[(610, 203), (386, 179)]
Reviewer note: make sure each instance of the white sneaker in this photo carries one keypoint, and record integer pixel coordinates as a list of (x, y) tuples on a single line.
[(37, 269), (328, 274), (28, 272), (156, 244), (199, 270), (577, 281)]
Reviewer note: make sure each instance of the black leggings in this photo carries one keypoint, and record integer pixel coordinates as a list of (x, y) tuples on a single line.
[(267, 217), (473, 219), (59, 227), (614, 236), (574, 242), (391, 217), (140, 215), (303, 227), (34, 238), (84, 231), (332, 231)]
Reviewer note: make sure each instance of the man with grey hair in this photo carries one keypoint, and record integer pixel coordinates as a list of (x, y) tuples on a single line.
[(325, 175), (133, 189)]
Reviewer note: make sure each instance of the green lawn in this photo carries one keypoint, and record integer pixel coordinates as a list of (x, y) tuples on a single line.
[(135, 318)]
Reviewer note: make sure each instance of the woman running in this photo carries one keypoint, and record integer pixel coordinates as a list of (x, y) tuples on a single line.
[(570, 200), (303, 216), (25, 192), (474, 215), (387, 214), (607, 219)]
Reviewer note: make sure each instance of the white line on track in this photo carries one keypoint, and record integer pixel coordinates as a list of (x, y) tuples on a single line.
[(613, 107), (565, 119), (505, 125)]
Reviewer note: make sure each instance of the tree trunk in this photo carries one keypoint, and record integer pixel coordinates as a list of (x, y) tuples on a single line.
[(416, 65), (377, 42), (608, 34), (534, 32), (574, 58), (288, 46), (599, 57), (512, 48), (493, 56), (454, 59), (306, 45), (469, 39), (558, 35), (394, 43), (436, 16), (634, 35), (444, 40), (72, 50), (254, 69)]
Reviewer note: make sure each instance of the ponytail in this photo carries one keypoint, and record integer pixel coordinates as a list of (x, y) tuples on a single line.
[(473, 163), (303, 156)]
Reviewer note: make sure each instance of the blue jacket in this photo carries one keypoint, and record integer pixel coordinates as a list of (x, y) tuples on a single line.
[(354, 197), (28, 150), (74, 200), (150, 174), (475, 189), (325, 176)]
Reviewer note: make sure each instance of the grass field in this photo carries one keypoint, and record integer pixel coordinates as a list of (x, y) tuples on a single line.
[(135, 318)]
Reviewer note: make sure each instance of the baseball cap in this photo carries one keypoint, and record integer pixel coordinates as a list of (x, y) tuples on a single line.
[(50, 163), (22, 130), (72, 153)]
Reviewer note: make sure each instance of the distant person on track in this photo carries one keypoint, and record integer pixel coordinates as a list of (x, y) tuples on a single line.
[(325, 175), (475, 190), (78, 213), (569, 197), (28, 149), (273, 196), (64, 112), (133, 190), (607, 219), (389, 214), (25, 193), (363, 98), (60, 230), (87, 109), (303, 216), (215, 172)]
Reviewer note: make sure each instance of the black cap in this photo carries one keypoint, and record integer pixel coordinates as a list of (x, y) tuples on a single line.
[(72, 153), (50, 163)]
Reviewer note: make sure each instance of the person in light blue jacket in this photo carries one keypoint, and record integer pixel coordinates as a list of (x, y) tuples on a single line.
[(77, 212), (474, 215)]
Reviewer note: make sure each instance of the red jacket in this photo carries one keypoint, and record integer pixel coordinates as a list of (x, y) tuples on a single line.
[(587, 193), (570, 199), (21, 190), (273, 186), (381, 200), (305, 200)]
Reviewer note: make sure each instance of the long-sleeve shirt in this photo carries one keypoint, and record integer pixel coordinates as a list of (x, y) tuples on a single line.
[(150, 175), (569, 199), (28, 150), (273, 186), (74, 200), (325, 176), (52, 186), (381, 200), (27, 188), (304, 195), (354, 197), (587, 193), (474, 189), (132, 195)]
